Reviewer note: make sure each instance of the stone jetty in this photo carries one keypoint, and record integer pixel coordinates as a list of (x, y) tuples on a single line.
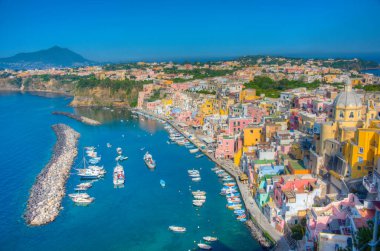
[(49, 188), (82, 119)]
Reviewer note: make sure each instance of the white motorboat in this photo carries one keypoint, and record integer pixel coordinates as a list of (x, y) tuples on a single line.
[(196, 179), (198, 193), (83, 201), (194, 150), (210, 238), (119, 150), (204, 246), (177, 229), (149, 160), (79, 195), (199, 197), (118, 175)]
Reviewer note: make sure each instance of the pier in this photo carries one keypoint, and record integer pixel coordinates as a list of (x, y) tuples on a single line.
[(46, 195), (79, 118), (260, 228)]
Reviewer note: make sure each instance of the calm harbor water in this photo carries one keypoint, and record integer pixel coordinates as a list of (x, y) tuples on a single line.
[(135, 217), (375, 72)]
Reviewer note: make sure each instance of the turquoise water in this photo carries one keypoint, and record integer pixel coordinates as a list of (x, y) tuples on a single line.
[(135, 217)]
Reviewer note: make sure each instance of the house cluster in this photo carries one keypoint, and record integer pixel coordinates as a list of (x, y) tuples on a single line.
[(307, 156)]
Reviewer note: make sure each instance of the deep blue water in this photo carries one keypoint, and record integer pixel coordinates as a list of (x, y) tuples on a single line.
[(375, 72), (135, 217)]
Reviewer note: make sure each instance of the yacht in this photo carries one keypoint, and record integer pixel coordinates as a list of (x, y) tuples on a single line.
[(210, 238), (177, 229), (204, 246), (149, 160)]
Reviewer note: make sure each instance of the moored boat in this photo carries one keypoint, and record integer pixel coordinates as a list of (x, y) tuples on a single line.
[(210, 238), (196, 179), (177, 229), (82, 201), (204, 246), (149, 160), (118, 175), (194, 150), (198, 192), (199, 156)]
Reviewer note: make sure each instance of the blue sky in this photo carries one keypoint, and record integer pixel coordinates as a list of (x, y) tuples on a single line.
[(153, 29)]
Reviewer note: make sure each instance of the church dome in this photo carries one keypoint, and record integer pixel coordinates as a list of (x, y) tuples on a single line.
[(347, 99)]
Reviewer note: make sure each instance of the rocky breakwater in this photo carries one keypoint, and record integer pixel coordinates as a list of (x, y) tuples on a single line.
[(82, 119), (49, 188)]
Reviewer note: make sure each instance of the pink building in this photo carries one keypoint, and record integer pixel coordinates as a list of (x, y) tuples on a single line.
[(236, 125), (256, 113), (226, 147), (181, 86), (152, 105), (183, 116), (339, 218), (304, 102)]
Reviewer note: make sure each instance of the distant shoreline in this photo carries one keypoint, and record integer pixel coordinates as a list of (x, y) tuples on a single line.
[(37, 91)]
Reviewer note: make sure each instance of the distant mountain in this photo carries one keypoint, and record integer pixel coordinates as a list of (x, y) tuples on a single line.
[(52, 57)]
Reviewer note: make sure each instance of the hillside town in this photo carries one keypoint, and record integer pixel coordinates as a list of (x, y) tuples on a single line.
[(309, 154)]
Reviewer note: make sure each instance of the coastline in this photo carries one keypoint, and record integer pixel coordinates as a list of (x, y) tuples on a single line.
[(67, 94), (47, 192), (260, 230)]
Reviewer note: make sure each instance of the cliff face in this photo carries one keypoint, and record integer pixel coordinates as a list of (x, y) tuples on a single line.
[(99, 97), (83, 97)]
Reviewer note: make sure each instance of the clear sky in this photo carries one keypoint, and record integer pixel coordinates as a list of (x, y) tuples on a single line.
[(170, 29)]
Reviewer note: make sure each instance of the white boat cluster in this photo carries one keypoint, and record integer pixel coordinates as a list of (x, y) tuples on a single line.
[(194, 175), (91, 172), (49, 188), (230, 190), (199, 198)]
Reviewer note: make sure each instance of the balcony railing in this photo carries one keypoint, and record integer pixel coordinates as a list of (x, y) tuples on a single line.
[(369, 182)]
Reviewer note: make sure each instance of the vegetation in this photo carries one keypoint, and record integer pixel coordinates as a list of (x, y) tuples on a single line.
[(155, 96), (206, 92), (298, 230), (368, 88), (199, 73), (271, 88)]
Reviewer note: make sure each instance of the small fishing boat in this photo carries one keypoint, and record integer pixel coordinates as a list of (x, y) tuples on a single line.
[(149, 160), (109, 145), (198, 192), (79, 195), (198, 203), (162, 183), (82, 201), (243, 220), (196, 179), (83, 186), (204, 246), (195, 175), (142, 149), (193, 171), (210, 238), (199, 156), (177, 229), (239, 211), (118, 175), (199, 197), (242, 216), (194, 150), (119, 150), (230, 184)]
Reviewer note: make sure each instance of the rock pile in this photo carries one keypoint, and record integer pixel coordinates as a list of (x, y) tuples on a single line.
[(49, 188)]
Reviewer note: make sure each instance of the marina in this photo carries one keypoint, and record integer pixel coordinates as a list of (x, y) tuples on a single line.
[(121, 213)]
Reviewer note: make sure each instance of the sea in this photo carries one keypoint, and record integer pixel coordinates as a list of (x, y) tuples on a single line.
[(135, 217)]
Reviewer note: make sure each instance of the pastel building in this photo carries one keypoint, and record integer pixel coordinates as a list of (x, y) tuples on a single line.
[(225, 147), (236, 125), (293, 195)]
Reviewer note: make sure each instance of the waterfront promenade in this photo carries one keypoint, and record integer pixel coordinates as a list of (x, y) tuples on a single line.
[(261, 225), (49, 188)]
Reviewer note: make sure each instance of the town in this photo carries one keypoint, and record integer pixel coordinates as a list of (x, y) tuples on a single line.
[(303, 134)]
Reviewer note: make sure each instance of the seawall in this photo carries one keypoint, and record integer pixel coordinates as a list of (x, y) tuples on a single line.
[(82, 119), (46, 194)]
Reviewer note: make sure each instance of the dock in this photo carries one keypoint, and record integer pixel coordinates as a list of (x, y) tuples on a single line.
[(79, 118), (47, 192), (260, 228)]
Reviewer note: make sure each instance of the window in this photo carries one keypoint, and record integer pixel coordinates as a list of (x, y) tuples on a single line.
[(251, 131), (351, 115), (359, 168), (341, 114), (361, 150), (360, 160)]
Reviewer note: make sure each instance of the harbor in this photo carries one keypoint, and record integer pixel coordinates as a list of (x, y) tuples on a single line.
[(79, 118), (262, 231), (46, 195)]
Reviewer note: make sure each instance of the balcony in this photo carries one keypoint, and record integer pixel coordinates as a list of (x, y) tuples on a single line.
[(369, 182)]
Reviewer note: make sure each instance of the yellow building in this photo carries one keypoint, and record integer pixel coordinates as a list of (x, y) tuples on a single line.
[(207, 107), (248, 95), (362, 153), (167, 102), (252, 135)]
